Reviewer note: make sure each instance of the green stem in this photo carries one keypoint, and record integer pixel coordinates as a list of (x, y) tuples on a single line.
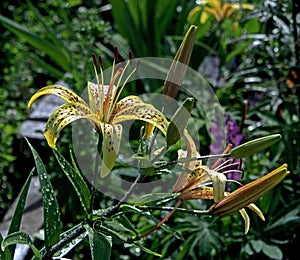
[(61, 244), (184, 160), (116, 208)]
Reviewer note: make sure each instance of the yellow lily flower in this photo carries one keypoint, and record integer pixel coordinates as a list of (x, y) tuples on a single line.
[(218, 9), (104, 111)]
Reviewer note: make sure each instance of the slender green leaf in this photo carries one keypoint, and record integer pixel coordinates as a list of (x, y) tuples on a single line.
[(20, 238), (4, 254), (165, 12), (17, 216), (38, 42), (52, 223), (51, 33), (76, 179), (46, 66), (147, 250)]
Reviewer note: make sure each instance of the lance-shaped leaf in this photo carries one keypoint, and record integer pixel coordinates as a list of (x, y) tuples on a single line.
[(76, 179), (180, 63), (249, 193), (20, 238), (179, 121), (100, 244), (254, 146), (52, 223), (17, 217)]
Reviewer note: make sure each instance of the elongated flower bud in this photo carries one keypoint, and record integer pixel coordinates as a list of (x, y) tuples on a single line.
[(254, 146), (249, 193), (180, 63)]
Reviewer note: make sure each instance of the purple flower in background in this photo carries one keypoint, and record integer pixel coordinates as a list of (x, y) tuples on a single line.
[(233, 137)]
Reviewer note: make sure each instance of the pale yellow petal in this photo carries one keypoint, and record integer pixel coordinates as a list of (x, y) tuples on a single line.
[(63, 116), (60, 91), (144, 112), (256, 209), (246, 219), (112, 135)]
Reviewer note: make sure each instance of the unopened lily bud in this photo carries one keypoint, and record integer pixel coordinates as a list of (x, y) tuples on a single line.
[(180, 63), (254, 146), (249, 193)]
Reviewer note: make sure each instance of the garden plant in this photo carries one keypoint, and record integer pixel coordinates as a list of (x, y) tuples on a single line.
[(169, 152)]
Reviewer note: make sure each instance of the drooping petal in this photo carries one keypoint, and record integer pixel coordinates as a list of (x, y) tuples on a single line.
[(187, 180), (256, 209), (112, 135), (246, 219), (219, 182), (144, 112), (60, 91), (63, 116)]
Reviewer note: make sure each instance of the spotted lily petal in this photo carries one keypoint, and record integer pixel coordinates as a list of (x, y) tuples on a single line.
[(144, 112), (112, 135), (63, 116), (197, 193), (60, 91), (125, 103)]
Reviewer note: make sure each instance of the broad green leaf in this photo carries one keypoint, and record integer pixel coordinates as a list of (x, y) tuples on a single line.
[(100, 245), (17, 216), (20, 238), (285, 220), (52, 223), (76, 180), (179, 121), (256, 245), (273, 252)]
